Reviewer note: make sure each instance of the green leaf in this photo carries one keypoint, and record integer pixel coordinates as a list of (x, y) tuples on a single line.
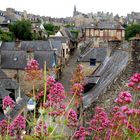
[(50, 129)]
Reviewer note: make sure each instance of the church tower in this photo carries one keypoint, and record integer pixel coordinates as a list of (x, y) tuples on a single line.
[(74, 12)]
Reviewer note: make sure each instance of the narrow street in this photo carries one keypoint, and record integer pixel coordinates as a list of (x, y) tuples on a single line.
[(68, 70)]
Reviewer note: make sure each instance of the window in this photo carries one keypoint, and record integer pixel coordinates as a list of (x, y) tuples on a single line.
[(63, 53), (67, 51)]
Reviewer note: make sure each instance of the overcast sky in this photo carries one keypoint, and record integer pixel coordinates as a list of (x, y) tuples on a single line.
[(63, 8)]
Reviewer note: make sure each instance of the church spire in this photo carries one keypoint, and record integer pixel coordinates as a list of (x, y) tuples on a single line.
[(74, 8), (74, 12)]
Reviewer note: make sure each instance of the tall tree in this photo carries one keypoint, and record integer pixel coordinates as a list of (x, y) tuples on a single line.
[(22, 30), (132, 30)]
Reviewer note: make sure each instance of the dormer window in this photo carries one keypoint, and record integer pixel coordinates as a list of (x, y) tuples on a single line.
[(15, 59), (8, 21)]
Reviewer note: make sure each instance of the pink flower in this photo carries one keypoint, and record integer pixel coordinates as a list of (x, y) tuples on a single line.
[(100, 120), (50, 82), (8, 101), (81, 134), (72, 118), (32, 70), (19, 122), (56, 93), (77, 89), (131, 84), (124, 98)]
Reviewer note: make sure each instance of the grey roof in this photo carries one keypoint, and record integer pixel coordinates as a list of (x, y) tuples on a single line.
[(3, 75), (13, 59), (56, 45), (65, 32), (3, 92), (98, 53), (110, 69), (63, 39), (8, 84), (35, 45), (8, 46), (42, 56), (105, 25)]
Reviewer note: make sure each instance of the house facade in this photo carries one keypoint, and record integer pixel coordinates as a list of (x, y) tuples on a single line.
[(104, 31), (65, 46)]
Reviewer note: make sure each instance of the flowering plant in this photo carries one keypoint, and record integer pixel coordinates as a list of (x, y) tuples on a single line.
[(8, 102)]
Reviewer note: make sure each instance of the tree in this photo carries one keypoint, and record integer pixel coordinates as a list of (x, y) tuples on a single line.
[(21, 29), (6, 36), (132, 30), (51, 29)]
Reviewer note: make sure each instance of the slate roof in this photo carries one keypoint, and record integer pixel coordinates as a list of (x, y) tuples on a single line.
[(8, 46), (3, 92), (56, 45), (8, 84), (65, 32), (42, 56), (105, 25), (63, 39), (98, 53), (3, 75), (111, 68), (13, 59), (35, 45)]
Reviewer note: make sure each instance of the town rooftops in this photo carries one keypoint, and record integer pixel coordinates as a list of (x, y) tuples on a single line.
[(111, 68), (63, 39), (13, 59), (26, 45), (32, 45), (98, 53), (48, 56), (35, 45)]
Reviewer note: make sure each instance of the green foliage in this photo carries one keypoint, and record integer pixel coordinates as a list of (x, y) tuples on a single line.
[(132, 30), (6, 36), (51, 29), (75, 33), (21, 29)]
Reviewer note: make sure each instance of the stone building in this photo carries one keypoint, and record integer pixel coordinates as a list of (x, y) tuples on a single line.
[(14, 57), (104, 31)]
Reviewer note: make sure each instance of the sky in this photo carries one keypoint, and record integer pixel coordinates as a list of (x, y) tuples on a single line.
[(64, 8)]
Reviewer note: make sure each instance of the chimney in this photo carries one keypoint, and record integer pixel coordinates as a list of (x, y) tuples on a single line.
[(17, 44), (109, 49)]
